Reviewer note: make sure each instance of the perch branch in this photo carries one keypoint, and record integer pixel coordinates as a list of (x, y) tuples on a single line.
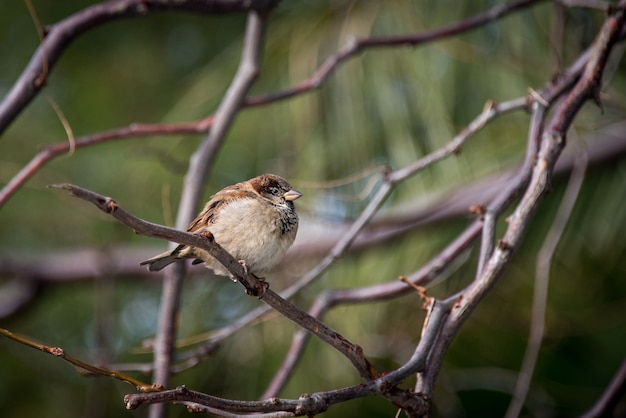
[(252, 284)]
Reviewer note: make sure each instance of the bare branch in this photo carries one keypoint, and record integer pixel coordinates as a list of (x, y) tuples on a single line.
[(611, 396), (391, 179), (67, 27), (81, 365), (414, 404), (357, 46), (75, 25), (552, 108), (552, 144), (542, 278), (52, 151), (59, 36), (379, 292), (253, 285)]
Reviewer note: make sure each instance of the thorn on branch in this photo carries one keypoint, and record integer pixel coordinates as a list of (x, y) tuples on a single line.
[(386, 172), (40, 81), (155, 387), (598, 101), (478, 209), (110, 205), (421, 291), (428, 301), (504, 246), (195, 408), (57, 351), (489, 106), (534, 96)]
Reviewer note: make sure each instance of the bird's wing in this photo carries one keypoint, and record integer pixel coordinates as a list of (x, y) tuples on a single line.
[(218, 201)]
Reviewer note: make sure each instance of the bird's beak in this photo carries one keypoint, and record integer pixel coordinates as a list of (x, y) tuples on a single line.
[(292, 195)]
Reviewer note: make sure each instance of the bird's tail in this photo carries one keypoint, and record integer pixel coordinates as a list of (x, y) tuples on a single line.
[(156, 263)]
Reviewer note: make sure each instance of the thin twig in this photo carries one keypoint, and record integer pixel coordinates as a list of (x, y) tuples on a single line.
[(81, 365), (136, 130), (542, 279), (72, 265), (59, 36), (448, 315), (356, 46), (305, 405), (613, 394)]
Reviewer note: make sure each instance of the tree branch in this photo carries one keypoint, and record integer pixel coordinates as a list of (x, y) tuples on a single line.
[(98, 14), (392, 178), (59, 36), (356, 46), (552, 144), (253, 285), (81, 365), (611, 396), (414, 404), (542, 279)]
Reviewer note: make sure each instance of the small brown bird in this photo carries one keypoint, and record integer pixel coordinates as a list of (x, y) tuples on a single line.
[(255, 221)]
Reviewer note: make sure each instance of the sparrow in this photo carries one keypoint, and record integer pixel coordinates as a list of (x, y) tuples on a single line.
[(255, 221)]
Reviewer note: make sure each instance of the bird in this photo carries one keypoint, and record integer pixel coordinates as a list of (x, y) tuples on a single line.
[(255, 221)]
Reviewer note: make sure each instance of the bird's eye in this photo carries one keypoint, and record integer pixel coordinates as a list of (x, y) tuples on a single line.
[(274, 191)]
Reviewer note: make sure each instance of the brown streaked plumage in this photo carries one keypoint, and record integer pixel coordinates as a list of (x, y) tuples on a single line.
[(255, 221)]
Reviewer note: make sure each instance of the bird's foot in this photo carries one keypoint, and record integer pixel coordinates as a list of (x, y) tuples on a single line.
[(244, 265), (258, 286)]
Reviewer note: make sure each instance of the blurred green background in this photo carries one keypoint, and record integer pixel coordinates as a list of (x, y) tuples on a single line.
[(386, 106)]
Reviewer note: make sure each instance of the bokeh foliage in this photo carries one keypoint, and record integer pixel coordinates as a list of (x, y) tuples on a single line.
[(386, 106)]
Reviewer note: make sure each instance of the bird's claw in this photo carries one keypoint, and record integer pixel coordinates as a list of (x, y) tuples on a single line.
[(244, 265), (260, 285)]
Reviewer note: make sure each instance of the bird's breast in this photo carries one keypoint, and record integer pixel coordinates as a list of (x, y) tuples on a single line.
[(258, 233)]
